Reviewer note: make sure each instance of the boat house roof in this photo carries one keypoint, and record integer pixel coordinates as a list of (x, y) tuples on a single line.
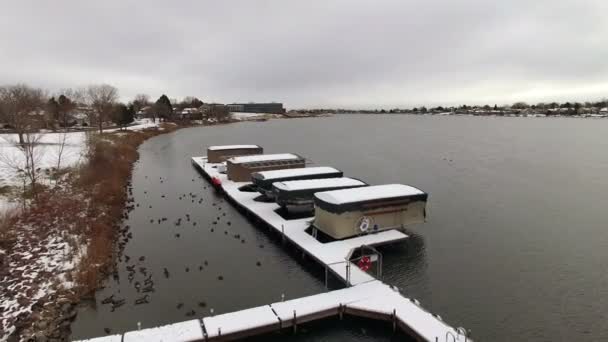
[(263, 158), (232, 147), (339, 201), (286, 173), (322, 183)]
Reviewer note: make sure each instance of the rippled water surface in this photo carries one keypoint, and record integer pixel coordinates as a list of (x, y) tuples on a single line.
[(515, 247)]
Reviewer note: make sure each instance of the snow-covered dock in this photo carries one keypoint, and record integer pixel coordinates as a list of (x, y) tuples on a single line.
[(371, 300), (332, 255), (364, 296)]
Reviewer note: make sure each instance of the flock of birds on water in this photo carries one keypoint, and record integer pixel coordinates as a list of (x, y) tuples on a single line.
[(137, 274)]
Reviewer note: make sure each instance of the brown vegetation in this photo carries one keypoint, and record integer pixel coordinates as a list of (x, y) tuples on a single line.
[(86, 211), (104, 180)]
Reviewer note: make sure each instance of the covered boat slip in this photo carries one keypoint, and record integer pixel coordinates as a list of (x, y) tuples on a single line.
[(366, 296), (263, 180), (218, 154), (350, 212), (298, 194), (239, 169)]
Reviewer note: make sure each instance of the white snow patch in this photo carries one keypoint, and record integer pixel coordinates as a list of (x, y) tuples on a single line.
[(303, 171), (231, 147), (263, 157), (183, 331), (246, 116), (240, 320), (322, 183), (46, 154), (138, 125)]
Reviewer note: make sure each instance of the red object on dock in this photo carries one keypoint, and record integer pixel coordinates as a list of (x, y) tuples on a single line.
[(364, 263), (216, 181)]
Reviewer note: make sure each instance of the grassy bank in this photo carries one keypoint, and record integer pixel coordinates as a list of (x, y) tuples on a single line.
[(58, 250)]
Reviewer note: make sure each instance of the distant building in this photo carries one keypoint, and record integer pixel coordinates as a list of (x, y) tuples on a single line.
[(205, 108), (273, 107)]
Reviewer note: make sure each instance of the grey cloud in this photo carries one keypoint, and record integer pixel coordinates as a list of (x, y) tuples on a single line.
[(314, 53)]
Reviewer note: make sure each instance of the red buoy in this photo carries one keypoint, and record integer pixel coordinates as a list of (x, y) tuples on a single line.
[(216, 181), (364, 263)]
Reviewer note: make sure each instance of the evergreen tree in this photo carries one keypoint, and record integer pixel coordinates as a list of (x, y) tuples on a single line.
[(52, 109), (163, 108), (65, 107), (123, 115)]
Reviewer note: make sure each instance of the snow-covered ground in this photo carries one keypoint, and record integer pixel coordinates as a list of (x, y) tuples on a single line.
[(42, 251), (32, 270), (138, 125), (47, 155), (246, 116)]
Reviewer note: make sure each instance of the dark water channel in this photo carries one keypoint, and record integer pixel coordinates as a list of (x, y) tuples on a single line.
[(516, 245)]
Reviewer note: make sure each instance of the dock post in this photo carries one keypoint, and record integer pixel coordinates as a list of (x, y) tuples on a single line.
[(326, 274), (347, 273), (295, 322), (340, 311), (394, 320), (219, 331), (283, 232)]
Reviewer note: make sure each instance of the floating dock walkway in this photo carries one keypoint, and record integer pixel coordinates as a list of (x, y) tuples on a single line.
[(364, 296)]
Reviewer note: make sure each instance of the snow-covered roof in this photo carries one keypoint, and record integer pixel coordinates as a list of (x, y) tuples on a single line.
[(231, 147), (303, 171), (367, 193), (263, 157), (321, 183)]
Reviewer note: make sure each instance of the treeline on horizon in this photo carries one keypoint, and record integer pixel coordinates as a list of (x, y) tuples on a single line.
[(549, 108), (25, 108)]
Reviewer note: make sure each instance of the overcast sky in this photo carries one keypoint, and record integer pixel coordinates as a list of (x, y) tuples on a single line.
[(355, 54)]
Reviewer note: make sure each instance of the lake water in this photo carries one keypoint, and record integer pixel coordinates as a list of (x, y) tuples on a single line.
[(515, 247)]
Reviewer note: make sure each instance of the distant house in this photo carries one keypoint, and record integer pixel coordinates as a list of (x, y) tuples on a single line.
[(272, 107), (143, 113), (81, 119), (189, 114)]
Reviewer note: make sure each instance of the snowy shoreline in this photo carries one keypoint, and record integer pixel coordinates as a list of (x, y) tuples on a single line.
[(43, 248)]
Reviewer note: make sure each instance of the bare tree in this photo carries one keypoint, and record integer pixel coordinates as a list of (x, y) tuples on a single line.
[(66, 102), (61, 147), (140, 101), (219, 113), (20, 106), (23, 157), (101, 99)]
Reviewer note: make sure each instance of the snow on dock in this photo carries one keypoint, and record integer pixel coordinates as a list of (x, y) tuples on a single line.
[(364, 296), (374, 192), (304, 171), (322, 183), (262, 158), (111, 338), (183, 331), (231, 147), (372, 300)]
